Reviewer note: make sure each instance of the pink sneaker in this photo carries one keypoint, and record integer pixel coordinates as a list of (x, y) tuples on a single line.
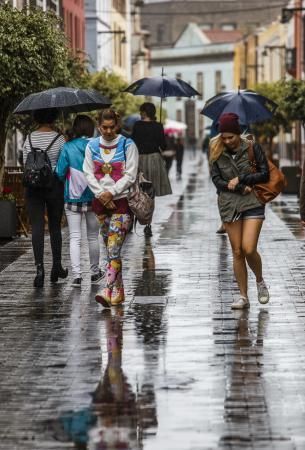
[(104, 297)]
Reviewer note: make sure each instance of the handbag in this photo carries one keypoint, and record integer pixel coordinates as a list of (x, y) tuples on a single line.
[(141, 199), (265, 192)]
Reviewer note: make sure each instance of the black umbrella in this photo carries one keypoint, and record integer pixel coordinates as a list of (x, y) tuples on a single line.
[(161, 87), (66, 99)]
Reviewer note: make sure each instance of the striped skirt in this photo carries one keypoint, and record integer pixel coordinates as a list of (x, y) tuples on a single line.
[(153, 167)]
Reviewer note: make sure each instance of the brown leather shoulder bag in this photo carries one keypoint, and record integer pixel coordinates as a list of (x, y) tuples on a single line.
[(265, 192)]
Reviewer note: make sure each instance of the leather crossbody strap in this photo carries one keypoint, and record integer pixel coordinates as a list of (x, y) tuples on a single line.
[(252, 155)]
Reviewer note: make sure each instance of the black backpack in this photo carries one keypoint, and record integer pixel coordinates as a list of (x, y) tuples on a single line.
[(38, 172)]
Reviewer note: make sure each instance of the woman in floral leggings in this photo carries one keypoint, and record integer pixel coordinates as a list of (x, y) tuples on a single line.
[(111, 166)]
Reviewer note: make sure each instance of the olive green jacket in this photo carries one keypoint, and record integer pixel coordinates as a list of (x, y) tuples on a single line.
[(226, 168)]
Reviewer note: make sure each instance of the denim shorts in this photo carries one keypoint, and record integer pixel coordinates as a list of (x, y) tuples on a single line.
[(253, 213)]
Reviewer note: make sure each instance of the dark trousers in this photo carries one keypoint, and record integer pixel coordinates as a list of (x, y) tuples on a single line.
[(168, 163), (179, 160), (52, 201)]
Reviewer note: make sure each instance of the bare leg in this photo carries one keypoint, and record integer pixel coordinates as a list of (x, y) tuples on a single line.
[(250, 234), (234, 231)]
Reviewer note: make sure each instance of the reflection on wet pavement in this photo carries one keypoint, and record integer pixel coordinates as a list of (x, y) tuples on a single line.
[(174, 368), (288, 209), (10, 250), (245, 408)]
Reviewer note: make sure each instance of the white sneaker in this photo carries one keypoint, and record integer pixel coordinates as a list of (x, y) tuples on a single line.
[(262, 292), (241, 303)]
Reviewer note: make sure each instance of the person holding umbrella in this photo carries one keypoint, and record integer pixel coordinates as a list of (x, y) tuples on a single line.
[(148, 135), (50, 199), (240, 210), (45, 107)]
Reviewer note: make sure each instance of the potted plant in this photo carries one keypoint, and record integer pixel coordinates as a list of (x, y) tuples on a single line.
[(8, 215)]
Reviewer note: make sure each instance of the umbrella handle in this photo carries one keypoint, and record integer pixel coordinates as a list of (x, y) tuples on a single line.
[(162, 75), (161, 110)]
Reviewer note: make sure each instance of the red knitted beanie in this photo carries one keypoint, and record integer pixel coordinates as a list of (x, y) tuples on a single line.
[(229, 123)]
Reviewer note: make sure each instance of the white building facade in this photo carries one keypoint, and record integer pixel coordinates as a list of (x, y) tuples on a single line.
[(108, 36), (98, 39), (205, 60)]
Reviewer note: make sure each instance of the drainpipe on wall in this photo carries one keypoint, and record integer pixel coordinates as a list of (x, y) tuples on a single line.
[(299, 69)]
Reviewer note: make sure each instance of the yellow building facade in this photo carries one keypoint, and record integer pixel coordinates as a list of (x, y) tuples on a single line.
[(260, 57), (121, 45)]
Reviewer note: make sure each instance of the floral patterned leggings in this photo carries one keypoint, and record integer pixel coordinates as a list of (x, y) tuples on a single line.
[(114, 228)]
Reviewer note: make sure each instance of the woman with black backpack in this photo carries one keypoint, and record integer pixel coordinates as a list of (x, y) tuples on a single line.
[(44, 191)]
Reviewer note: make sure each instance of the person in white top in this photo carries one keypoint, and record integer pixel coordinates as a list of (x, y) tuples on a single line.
[(111, 167)]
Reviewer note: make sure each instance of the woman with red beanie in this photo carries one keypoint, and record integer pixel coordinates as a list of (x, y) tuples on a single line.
[(240, 210)]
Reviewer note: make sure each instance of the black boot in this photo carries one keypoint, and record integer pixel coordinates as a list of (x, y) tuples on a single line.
[(147, 231), (58, 272), (39, 279)]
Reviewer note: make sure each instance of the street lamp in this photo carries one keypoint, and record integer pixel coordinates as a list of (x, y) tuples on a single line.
[(273, 47), (122, 32), (287, 13)]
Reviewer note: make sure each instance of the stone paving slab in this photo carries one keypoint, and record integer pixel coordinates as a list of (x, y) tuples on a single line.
[(186, 374)]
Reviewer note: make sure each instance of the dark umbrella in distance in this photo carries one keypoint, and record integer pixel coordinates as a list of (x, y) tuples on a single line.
[(250, 106), (129, 121), (65, 99), (162, 87)]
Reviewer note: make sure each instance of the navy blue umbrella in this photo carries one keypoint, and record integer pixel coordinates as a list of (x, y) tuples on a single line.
[(130, 120), (250, 106), (161, 87)]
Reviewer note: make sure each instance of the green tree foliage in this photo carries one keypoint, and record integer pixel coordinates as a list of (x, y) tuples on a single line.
[(112, 86), (34, 56), (266, 131), (294, 100)]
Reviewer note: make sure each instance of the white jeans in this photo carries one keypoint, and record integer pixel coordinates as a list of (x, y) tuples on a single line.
[(75, 233)]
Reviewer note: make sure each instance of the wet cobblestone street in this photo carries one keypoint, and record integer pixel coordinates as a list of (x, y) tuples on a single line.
[(175, 368)]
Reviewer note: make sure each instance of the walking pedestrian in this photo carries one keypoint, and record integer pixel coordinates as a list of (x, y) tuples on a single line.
[(179, 151), (193, 145), (50, 199), (240, 210), (148, 135), (111, 167), (169, 154), (205, 145), (78, 199)]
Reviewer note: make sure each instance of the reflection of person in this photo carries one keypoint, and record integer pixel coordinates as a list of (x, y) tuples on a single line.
[(179, 151), (111, 166), (117, 418), (52, 199), (240, 210), (114, 402), (78, 198), (148, 135), (245, 375)]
